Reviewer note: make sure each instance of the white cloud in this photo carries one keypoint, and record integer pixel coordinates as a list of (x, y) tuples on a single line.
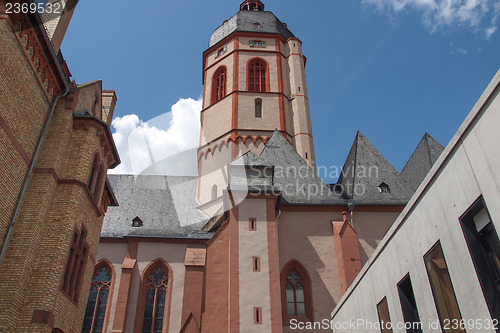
[(479, 15), (163, 145)]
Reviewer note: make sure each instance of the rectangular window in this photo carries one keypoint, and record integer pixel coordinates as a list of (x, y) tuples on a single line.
[(484, 248), (257, 315), (409, 306), (383, 316), (442, 289), (75, 266), (257, 43), (258, 108), (256, 264), (252, 224)]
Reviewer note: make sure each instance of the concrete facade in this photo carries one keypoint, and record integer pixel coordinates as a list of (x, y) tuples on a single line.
[(468, 169)]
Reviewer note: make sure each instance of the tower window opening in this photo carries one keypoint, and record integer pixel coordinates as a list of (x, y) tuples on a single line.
[(219, 84), (257, 76), (214, 192), (252, 225), (256, 264), (257, 312), (306, 156), (258, 108), (299, 89)]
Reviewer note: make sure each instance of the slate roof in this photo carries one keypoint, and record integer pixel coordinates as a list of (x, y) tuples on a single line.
[(422, 160), (165, 204), (293, 177), (364, 171), (245, 21)]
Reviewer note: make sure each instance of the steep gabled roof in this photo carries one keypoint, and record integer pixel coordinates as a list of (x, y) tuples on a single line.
[(422, 160), (369, 179), (296, 180)]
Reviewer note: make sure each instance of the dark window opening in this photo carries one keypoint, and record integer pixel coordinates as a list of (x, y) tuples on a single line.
[(257, 315), (383, 316), (75, 267), (258, 108), (484, 247), (442, 289), (219, 84), (257, 76), (256, 264), (156, 294), (252, 224), (409, 306), (384, 188)]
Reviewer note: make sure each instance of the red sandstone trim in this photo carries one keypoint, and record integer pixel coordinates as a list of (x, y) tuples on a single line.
[(302, 134), (234, 282), (14, 141), (257, 315), (247, 93), (274, 273)]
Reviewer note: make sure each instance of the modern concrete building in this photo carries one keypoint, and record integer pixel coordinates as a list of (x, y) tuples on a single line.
[(438, 265)]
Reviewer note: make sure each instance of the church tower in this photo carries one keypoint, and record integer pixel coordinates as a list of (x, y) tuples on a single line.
[(254, 82)]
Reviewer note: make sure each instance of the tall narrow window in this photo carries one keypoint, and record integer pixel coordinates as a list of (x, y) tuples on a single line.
[(219, 84), (257, 75), (484, 247), (383, 316), (409, 306), (98, 300), (154, 302), (442, 289), (296, 293), (258, 108), (94, 172), (76, 265), (214, 192), (257, 315)]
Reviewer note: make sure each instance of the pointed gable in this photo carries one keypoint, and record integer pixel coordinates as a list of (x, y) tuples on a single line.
[(369, 179), (296, 180), (422, 160)]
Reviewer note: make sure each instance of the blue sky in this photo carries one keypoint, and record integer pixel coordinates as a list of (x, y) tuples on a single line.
[(393, 69)]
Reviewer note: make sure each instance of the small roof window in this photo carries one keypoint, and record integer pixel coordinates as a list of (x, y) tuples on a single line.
[(137, 222), (384, 188)]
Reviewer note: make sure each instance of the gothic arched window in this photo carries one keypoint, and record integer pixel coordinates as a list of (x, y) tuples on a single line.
[(296, 293), (219, 84), (257, 75), (155, 294), (98, 300)]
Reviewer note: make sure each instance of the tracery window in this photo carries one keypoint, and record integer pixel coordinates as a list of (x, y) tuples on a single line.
[(219, 84), (257, 75), (98, 300), (76, 264), (296, 293), (156, 295), (295, 303)]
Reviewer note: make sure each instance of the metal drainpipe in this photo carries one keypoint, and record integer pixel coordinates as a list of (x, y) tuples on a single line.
[(30, 172)]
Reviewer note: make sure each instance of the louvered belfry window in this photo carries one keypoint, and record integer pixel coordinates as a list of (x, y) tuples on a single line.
[(155, 301), (257, 76), (98, 300)]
